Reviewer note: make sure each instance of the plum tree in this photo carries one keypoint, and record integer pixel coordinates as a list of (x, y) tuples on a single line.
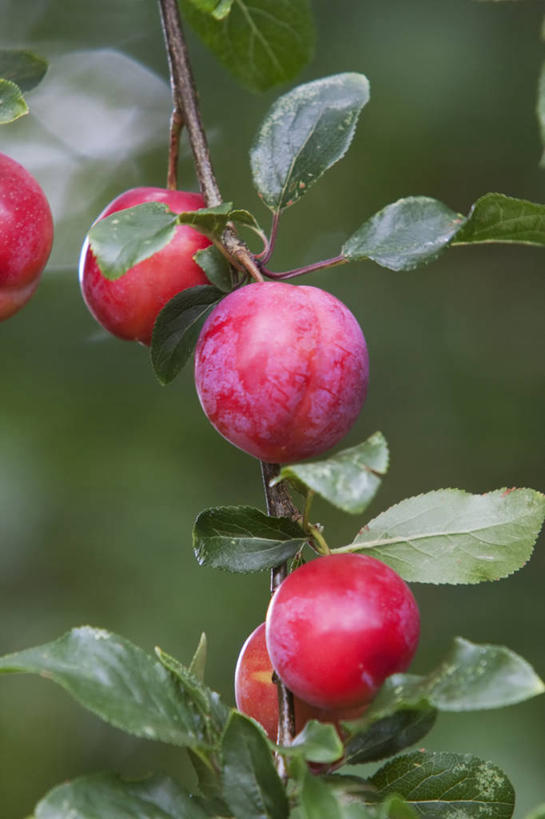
[(257, 695), (127, 307), (281, 370), (338, 626), (26, 235)]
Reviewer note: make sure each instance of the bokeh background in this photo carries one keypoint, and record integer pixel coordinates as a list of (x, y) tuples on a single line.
[(102, 471)]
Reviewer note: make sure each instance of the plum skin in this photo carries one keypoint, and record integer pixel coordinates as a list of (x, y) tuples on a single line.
[(338, 626), (281, 370), (26, 235), (256, 695), (129, 306)]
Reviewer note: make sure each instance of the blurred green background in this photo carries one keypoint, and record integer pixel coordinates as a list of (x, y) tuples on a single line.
[(102, 471)]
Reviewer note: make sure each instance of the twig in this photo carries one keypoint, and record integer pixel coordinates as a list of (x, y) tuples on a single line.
[(186, 99), (309, 268), (280, 504), (176, 125)]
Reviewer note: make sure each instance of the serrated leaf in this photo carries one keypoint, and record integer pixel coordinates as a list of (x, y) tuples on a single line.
[(251, 785), (244, 217), (216, 267), (451, 536), (262, 43), (177, 329), (211, 221), (317, 742), (22, 67), (349, 479), (12, 102), (499, 218), (471, 677), (197, 666), (108, 795), (438, 784), (305, 132), (540, 109), (387, 736), (243, 539), (118, 682), (129, 236), (405, 234)]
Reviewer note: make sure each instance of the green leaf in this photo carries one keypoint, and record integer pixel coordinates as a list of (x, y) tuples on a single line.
[(405, 234), (318, 800), (349, 479), (263, 43), (450, 536), (117, 681), (108, 795), (317, 742), (23, 68), (216, 267), (387, 736), (197, 666), (537, 813), (251, 785), (214, 713), (243, 539), (129, 236), (218, 9), (177, 329), (540, 110), (211, 221), (499, 218), (12, 103), (305, 132), (446, 785)]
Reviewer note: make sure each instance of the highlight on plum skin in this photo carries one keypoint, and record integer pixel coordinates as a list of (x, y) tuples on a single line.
[(256, 694), (281, 370), (26, 235), (129, 306), (338, 626)]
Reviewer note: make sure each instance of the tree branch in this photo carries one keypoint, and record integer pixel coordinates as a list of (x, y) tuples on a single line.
[(186, 100)]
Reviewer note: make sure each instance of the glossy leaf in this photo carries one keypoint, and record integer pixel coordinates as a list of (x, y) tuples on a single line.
[(498, 218), (349, 479), (451, 536), (445, 784), (21, 67), (541, 110), (216, 267), (405, 234), (177, 329), (129, 236), (305, 132), (251, 785), (243, 539), (317, 742), (197, 665), (117, 681), (263, 43), (387, 736), (12, 102), (108, 795)]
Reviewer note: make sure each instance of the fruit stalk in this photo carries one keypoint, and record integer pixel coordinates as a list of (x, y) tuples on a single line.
[(184, 93)]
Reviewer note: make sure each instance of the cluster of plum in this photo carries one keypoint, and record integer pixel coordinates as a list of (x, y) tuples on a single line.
[(281, 372)]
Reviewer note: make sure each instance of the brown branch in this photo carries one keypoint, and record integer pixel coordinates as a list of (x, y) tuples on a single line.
[(176, 125), (280, 504), (186, 99)]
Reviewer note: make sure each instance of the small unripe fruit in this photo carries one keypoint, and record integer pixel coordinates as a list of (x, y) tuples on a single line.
[(256, 694), (129, 306), (338, 626), (281, 370), (26, 235)]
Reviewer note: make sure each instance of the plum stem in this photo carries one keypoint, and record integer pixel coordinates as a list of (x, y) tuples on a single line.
[(185, 98), (280, 504), (300, 271)]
